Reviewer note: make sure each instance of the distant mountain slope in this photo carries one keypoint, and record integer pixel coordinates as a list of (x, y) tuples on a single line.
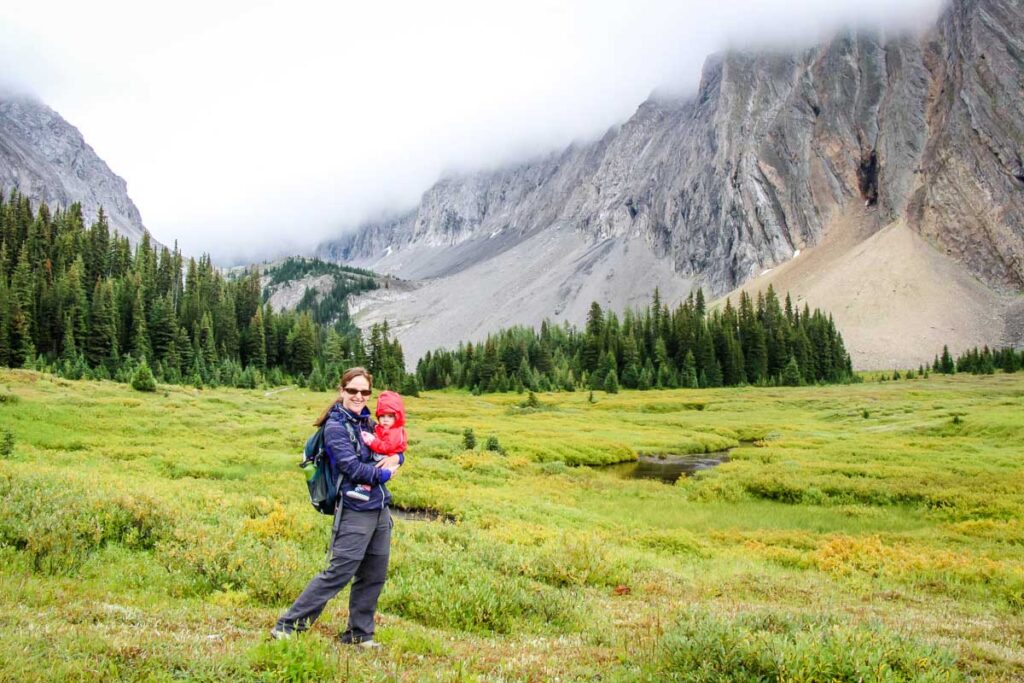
[(300, 283), (775, 148), (896, 299), (735, 179), (46, 159)]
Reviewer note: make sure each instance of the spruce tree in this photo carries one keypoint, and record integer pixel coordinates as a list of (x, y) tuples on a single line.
[(791, 376), (256, 343), (69, 353), (142, 379), (689, 379), (140, 336), (162, 327), (946, 365), (302, 345), (6, 315), (101, 343), (611, 382)]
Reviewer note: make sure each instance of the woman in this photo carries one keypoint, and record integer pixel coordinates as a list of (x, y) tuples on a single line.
[(361, 535)]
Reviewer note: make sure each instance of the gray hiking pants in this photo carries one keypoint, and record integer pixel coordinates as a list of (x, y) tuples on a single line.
[(360, 547)]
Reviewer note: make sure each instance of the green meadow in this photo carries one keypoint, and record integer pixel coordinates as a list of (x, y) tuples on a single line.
[(869, 532)]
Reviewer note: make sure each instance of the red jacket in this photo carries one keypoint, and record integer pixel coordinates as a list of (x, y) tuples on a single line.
[(390, 440)]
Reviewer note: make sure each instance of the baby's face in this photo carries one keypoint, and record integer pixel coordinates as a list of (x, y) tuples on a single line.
[(386, 420)]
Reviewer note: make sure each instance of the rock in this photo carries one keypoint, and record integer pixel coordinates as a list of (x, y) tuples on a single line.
[(737, 178), (46, 159), (773, 149)]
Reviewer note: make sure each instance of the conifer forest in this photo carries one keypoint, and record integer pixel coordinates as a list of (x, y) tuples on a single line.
[(81, 302)]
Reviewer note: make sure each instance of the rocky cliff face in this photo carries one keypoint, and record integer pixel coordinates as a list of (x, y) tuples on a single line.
[(927, 129), (46, 159)]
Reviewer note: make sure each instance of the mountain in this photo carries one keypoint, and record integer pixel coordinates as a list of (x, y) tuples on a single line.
[(918, 135), (48, 160)]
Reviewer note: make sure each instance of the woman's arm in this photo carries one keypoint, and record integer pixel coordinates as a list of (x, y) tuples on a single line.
[(346, 457), (391, 462)]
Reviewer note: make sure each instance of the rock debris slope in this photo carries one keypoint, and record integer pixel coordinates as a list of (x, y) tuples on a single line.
[(47, 160), (774, 149)]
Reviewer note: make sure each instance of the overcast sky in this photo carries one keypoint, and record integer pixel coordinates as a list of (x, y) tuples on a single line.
[(250, 129)]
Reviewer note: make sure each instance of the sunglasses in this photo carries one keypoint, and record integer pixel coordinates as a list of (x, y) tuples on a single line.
[(352, 392)]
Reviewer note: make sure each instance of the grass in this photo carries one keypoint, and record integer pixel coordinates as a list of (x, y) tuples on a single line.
[(857, 533)]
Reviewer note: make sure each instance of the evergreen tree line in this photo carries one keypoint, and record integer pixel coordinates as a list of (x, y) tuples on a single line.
[(81, 302), (297, 267), (759, 343), (329, 308), (979, 362)]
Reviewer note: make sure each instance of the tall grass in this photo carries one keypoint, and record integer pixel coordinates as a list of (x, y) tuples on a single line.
[(857, 533)]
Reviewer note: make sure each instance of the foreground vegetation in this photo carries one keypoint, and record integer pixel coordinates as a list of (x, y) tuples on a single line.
[(859, 532)]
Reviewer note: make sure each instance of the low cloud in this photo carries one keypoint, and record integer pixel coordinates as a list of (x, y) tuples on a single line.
[(250, 130)]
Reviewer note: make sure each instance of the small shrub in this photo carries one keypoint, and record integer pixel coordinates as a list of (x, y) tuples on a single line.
[(773, 487), (6, 443), (494, 445), (296, 660), (468, 439), (772, 646), (143, 379), (58, 523), (252, 561), (554, 467), (458, 581)]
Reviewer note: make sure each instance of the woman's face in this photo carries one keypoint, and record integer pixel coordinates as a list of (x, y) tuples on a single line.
[(355, 403)]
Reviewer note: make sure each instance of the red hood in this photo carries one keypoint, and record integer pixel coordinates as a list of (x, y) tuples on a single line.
[(391, 402)]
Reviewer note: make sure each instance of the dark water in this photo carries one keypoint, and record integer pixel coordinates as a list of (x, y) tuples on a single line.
[(421, 515), (670, 468)]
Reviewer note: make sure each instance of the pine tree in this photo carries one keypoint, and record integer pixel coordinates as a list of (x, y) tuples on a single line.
[(611, 382), (22, 295), (76, 302), (689, 372), (69, 352), (143, 379), (302, 345), (207, 342), (791, 376), (6, 316), (162, 327), (101, 343), (183, 347), (946, 365), (256, 343), (140, 336)]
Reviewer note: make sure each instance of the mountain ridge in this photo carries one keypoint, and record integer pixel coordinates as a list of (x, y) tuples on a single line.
[(772, 149), (48, 160)]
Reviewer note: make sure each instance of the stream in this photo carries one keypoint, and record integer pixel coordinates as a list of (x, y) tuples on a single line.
[(667, 468)]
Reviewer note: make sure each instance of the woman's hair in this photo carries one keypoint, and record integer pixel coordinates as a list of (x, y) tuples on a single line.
[(349, 375)]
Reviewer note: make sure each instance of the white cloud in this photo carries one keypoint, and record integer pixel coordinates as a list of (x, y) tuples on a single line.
[(251, 128)]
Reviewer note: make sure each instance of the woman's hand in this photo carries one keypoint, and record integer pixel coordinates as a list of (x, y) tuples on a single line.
[(390, 463)]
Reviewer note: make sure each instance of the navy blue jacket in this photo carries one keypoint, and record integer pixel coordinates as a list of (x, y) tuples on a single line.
[(354, 464)]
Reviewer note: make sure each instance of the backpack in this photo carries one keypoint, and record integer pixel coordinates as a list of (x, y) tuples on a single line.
[(321, 479)]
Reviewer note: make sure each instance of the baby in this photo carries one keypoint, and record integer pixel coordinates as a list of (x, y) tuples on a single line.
[(388, 438)]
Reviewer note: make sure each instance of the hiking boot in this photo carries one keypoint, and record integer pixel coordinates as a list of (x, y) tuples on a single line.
[(369, 644), (278, 633), (358, 494), (365, 642)]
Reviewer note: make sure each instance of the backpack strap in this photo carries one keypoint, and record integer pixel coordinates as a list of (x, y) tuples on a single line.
[(352, 436)]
